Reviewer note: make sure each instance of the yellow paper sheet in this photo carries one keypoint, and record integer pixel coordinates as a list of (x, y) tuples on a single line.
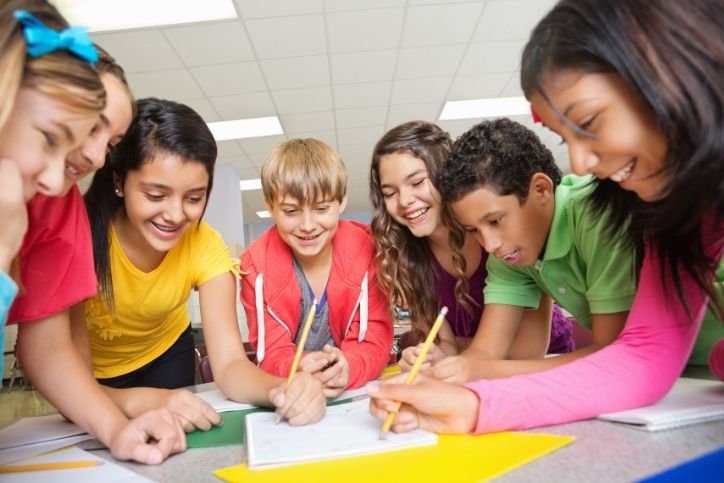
[(457, 458)]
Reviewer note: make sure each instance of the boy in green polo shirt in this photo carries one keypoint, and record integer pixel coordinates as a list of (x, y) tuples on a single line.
[(503, 184)]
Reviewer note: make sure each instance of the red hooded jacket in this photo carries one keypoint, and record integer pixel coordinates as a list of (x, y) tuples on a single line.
[(359, 319)]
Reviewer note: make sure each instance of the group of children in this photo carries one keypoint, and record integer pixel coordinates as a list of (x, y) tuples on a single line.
[(485, 225)]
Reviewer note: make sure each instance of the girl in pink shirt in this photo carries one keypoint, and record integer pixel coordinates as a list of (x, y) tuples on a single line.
[(640, 108)]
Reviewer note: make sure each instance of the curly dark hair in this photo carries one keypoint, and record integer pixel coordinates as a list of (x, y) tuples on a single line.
[(501, 155)]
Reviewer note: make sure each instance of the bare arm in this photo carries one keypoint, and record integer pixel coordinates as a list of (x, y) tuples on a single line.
[(241, 380), (59, 372)]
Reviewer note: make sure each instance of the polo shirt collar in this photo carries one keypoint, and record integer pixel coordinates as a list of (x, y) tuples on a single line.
[(560, 237)]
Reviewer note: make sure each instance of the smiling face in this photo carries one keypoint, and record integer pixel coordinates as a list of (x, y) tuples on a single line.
[(38, 136), (107, 132), (307, 228), (410, 198), (612, 133), (162, 199), (506, 228)]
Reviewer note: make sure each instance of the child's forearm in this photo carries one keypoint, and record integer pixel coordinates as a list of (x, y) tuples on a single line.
[(59, 372), (243, 381)]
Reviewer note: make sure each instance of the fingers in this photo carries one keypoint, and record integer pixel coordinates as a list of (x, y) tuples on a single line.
[(450, 369), (193, 412), (314, 362), (410, 355), (303, 402), (159, 426)]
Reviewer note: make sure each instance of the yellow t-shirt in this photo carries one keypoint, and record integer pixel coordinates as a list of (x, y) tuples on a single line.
[(151, 311)]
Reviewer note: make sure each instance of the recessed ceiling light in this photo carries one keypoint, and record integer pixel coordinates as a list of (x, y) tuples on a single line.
[(477, 108), (250, 184), (263, 214), (246, 128), (101, 15)]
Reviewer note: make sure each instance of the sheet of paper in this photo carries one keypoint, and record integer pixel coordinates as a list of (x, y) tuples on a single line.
[(346, 430), (9, 455), (37, 430), (220, 402), (107, 472)]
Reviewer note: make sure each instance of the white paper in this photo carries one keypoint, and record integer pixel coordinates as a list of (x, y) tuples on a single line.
[(690, 401), (37, 430), (346, 430), (9, 455), (107, 472)]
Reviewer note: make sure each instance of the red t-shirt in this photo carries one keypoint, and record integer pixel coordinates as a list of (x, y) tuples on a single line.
[(56, 259)]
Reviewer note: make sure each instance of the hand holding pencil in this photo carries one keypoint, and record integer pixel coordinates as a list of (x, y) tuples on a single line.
[(410, 401), (300, 399)]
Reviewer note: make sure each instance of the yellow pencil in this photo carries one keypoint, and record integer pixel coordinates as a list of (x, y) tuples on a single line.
[(416, 366), (302, 341), (62, 465)]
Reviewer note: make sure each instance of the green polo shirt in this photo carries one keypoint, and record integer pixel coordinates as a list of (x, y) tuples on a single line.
[(712, 328), (583, 269)]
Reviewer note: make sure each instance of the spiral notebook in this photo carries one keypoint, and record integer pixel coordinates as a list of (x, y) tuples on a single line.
[(346, 430), (690, 401)]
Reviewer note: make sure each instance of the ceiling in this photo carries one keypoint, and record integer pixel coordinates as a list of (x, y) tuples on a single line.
[(343, 71)]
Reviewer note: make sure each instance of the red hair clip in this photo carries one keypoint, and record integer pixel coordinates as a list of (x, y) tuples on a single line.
[(536, 117)]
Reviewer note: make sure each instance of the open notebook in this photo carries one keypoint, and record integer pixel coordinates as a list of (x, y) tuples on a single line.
[(690, 401), (346, 430)]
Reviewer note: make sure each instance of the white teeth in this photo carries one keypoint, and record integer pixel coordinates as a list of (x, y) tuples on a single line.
[(165, 228), (623, 173), (510, 255), (72, 170), (417, 214)]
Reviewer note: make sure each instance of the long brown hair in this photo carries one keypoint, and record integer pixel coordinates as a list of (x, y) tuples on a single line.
[(404, 261)]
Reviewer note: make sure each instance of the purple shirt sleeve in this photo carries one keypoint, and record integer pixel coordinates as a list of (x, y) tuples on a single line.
[(636, 370)]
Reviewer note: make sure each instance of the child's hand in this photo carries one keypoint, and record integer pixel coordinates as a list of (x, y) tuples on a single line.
[(159, 426), (428, 404), (455, 369), (193, 412), (409, 356), (335, 376), (303, 402), (313, 362), (15, 216)]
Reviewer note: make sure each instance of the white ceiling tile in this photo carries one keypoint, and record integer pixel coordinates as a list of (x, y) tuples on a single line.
[(420, 90), (229, 149), (277, 8), (297, 72), (478, 86), (492, 57), (287, 36), (341, 5), (263, 145), (245, 169), (307, 122), (431, 2), (204, 108), (295, 101), (435, 61), (458, 126), (440, 24), (167, 84), (211, 43), (329, 137), (513, 88), (140, 50), (228, 79), (362, 117), (354, 67), (401, 113), (364, 30), (368, 94), (244, 106), (359, 135), (503, 20)]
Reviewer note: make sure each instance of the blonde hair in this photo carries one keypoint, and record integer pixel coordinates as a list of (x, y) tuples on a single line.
[(308, 170), (59, 74)]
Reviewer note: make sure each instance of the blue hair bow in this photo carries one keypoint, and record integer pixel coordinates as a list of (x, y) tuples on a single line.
[(42, 40)]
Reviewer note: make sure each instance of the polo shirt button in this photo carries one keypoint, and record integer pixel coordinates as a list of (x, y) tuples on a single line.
[(561, 290)]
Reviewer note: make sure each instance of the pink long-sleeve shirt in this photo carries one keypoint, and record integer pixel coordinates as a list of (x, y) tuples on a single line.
[(636, 370)]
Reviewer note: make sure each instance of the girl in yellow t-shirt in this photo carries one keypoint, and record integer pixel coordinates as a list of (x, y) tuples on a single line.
[(151, 249)]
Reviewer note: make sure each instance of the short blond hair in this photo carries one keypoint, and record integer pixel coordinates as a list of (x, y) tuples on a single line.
[(308, 170)]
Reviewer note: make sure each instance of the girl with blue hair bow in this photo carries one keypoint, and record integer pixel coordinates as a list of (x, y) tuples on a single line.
[(50, 99)]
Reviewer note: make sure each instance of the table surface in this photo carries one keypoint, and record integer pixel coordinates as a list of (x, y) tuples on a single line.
[(601, 452)]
